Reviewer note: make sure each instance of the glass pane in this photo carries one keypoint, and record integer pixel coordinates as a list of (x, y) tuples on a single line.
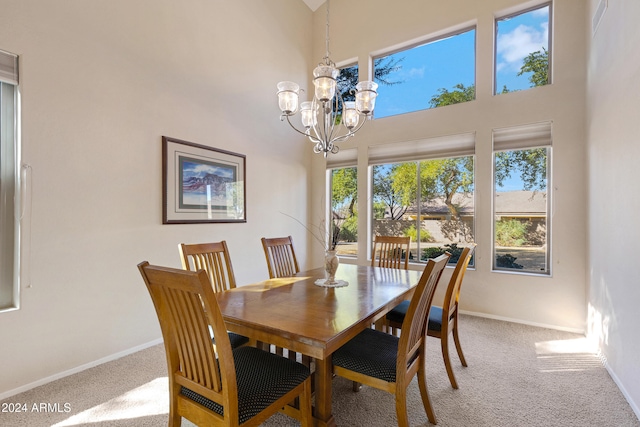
[(522, 51), (446, 208), (394, 191), (344, 208), (431, 201), (347, 81), (435, 74), (520, 211)]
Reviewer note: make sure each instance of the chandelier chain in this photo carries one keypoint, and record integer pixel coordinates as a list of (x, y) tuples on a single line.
[(326, 40)]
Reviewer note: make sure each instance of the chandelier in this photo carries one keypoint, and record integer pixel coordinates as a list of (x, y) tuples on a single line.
[(322, 116)]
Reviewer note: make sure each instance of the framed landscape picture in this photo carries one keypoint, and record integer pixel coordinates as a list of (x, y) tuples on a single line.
[(201, 183)]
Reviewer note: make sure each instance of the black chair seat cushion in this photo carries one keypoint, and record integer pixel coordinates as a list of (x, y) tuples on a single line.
[(372, 353), (262, 378), (398, 313), (237, 340)]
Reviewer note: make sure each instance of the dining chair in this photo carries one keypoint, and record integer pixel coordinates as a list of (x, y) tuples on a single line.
[(281, 257), (388, 362), (391, 252), (282, 262), (214, 384), (442, 320), (214, 259)]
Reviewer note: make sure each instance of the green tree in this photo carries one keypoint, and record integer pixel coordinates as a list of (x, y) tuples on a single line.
[(344, 195), (460, 93), (345, 189), (536, 63), (510, 232), (386, 192), (438, 178), (531, 164)]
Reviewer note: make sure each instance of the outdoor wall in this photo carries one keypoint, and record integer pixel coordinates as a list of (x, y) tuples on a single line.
[(101, 83), (613, 153), (362, 27)]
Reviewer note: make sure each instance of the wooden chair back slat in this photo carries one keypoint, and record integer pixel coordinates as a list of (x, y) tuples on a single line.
[(391, 252), (281, 257), (195, 349), (214, 259)]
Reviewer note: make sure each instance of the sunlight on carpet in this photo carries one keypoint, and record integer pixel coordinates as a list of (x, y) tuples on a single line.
[(573, 346), (149, 399), (569, 355)]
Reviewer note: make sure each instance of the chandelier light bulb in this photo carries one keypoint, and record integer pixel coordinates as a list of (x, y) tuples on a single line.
[(366, 97), (350, 117), (325, 82), (288, 97), (308, 114)]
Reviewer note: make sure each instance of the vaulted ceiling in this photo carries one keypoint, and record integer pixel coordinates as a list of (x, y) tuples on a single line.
[(313, 4)]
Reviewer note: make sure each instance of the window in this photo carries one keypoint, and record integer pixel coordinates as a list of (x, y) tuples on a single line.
[(520, 199), (347, 81), (346, 85), (343, 184), (9, 159), (522, 50), (438, 73), (430, 199)]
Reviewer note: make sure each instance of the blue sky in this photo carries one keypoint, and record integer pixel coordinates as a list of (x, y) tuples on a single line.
[(518, 37), (446, 62)]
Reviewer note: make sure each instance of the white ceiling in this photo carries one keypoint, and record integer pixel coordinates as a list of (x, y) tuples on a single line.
[(313, 4)]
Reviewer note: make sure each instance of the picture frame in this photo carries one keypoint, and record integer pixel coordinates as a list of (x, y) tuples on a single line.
[(202, 184)]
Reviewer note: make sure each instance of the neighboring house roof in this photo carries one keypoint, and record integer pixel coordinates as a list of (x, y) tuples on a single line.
[(521, 203), (507, 203)]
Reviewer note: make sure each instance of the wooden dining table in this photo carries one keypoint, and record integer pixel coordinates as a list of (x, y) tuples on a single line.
[(296, 314)]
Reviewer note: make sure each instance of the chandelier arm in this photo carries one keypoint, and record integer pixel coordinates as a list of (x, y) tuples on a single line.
[(311, 137), (334, 115), (315, 126), (329, 125), (350, 133)]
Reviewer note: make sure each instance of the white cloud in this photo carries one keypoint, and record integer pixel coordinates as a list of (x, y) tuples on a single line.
[(414, 73), (514, 46)]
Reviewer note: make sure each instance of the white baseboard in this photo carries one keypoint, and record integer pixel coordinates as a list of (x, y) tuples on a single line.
[(524, 322), (77, 369), (634, 406)]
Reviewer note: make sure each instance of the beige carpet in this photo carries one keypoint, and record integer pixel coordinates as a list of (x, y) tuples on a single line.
[(517, 376)]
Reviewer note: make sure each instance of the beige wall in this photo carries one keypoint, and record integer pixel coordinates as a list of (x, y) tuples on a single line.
[(557, 301), (613, 153), (101, 82)]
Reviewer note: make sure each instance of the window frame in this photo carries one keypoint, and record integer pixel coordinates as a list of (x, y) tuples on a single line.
[(418, 160), (549, 200), (423, 41), (510, 15), (10, 191)]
